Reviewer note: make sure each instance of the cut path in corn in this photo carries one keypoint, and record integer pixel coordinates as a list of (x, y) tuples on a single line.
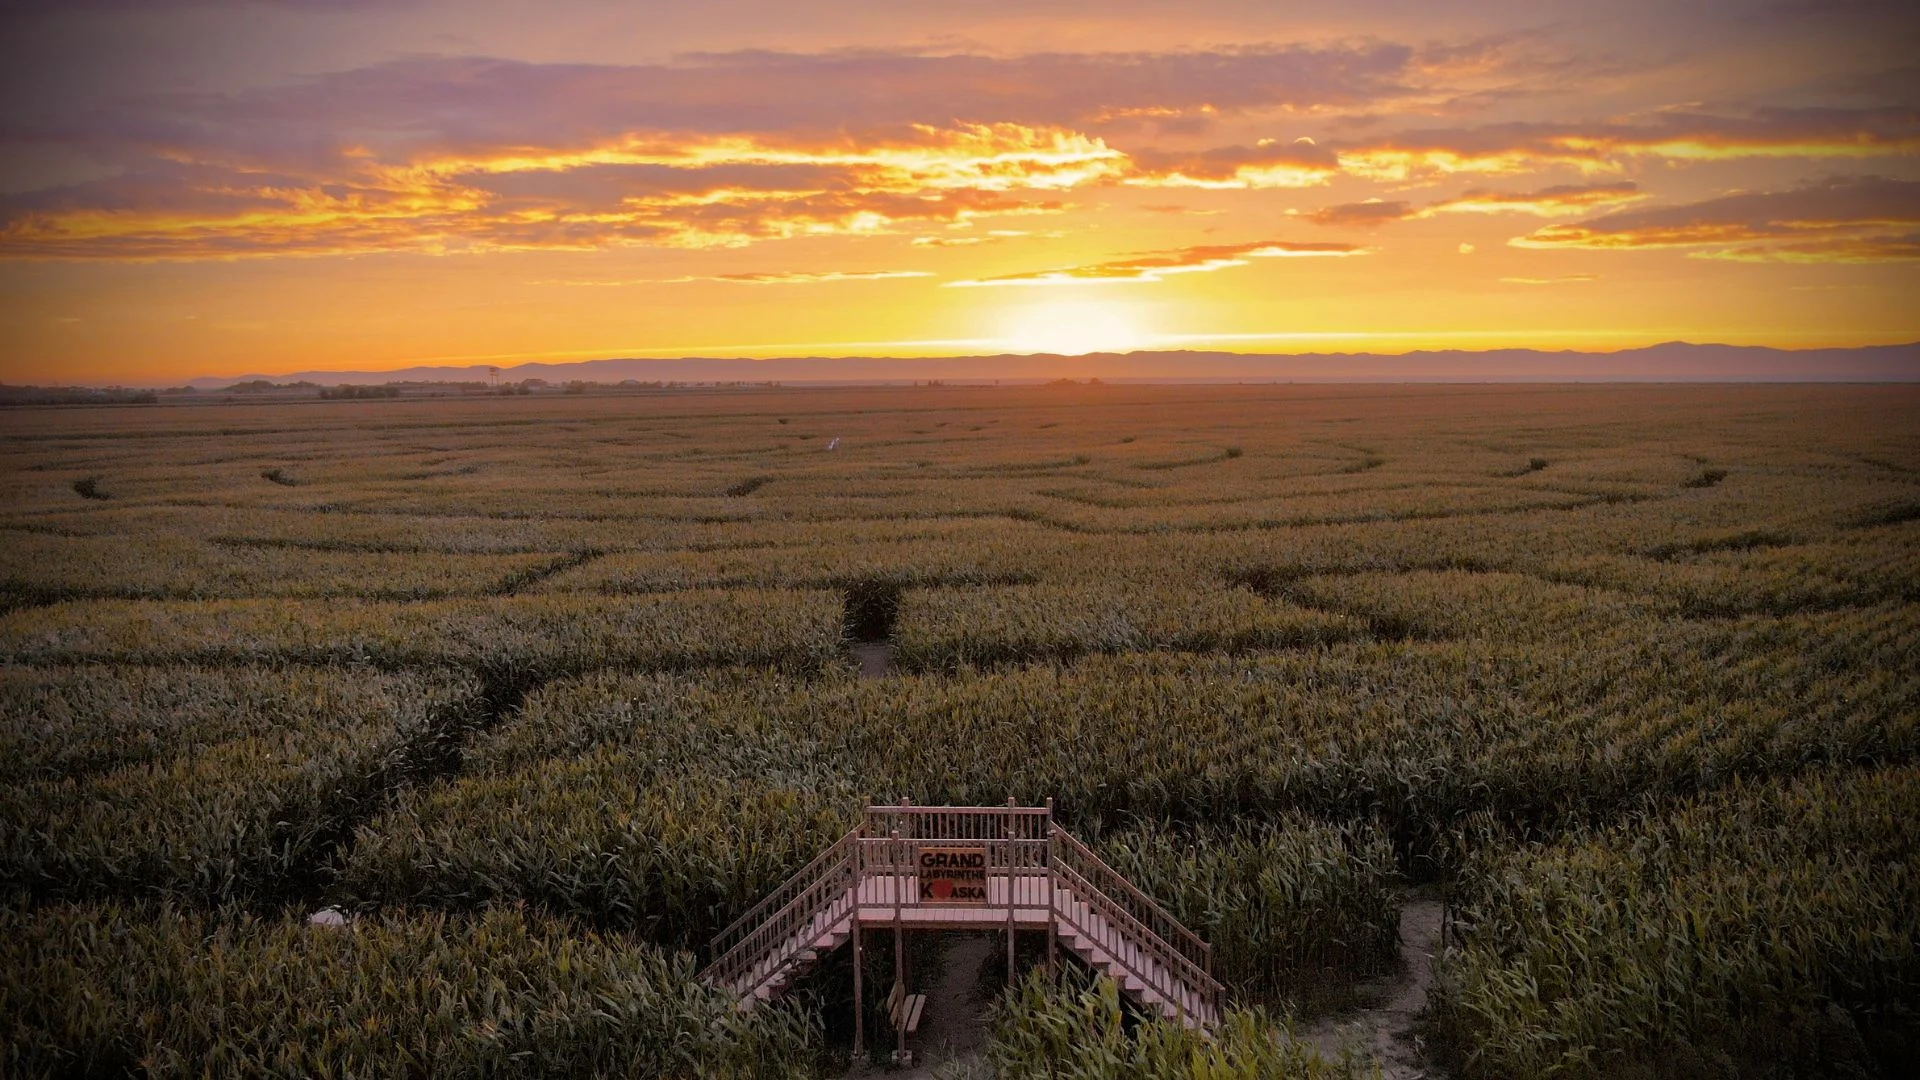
[(953, 1034), (951, 1042), (1386, 1034), (875, 659)]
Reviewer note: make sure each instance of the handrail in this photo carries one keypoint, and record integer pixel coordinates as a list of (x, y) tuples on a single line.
[(756, 913), (1116, 919), (1131, 931), (757, 944), (960, 824), (1189, 943), (1149, 941), (797, 905), (962, 811), (1141, 936), (959, 811)]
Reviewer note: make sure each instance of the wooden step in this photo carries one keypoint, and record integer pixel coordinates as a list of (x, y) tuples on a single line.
[(1107, 945), (1165, 997)]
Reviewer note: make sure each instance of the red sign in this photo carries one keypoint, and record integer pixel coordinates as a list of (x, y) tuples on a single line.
[(953, 875)]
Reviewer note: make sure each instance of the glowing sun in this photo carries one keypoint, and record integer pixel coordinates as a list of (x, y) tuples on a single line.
[(1073, 327)]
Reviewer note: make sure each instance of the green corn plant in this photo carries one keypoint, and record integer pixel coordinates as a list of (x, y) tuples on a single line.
[(284, 766), (1769, 925), (173, 992), (1285, 905), (1073, 1026)]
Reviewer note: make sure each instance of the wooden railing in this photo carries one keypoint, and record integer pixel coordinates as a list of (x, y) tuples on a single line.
[(763, 931), (960, 823), (1020, 843), (898, 857), (1183, 959), (1139, 907)]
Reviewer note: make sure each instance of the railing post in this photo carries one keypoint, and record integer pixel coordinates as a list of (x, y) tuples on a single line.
[(899, 946), (1053, 908), (1007, 829), (859, 984), (859, 941)]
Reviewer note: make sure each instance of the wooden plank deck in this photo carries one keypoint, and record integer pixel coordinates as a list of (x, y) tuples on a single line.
[(1030, 904), (1034, 877)]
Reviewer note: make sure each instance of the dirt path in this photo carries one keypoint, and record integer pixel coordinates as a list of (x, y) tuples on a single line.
[(953, 1035), (875, 659), (1386, 1033), (953, 1030)]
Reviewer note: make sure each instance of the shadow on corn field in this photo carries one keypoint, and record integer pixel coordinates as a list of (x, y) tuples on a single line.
[(19, 595), (434, 754), (962, 975), (520, 582), (872, 608)]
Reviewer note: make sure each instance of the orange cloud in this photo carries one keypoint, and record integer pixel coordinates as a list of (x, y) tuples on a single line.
[(992, 236), (788, 277), (657, 189), (1157, 266), (429, 154), (1607, 147), (1363, 215), (1269, 164), (1845, 219), (1837, 249), (1547, 202), (1561, 199), (442, 155)]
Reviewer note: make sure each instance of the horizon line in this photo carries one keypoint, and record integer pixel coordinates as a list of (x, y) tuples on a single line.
[(479, 365)]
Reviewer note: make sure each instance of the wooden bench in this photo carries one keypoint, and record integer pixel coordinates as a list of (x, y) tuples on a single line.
[(904, 1009)]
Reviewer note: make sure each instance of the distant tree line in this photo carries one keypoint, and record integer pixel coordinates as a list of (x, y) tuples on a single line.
[(350, 392), (74, 395), (87, 395), (264, 386)]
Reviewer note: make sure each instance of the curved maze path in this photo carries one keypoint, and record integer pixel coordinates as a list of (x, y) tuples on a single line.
[(1386, 1033)]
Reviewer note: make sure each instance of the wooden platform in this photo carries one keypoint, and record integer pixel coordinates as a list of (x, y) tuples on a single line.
[(967, 868), (1031, 905)]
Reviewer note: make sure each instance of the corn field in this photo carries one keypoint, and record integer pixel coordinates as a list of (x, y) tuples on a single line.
[(92, 989), (1771, 923), (540, 700), (1283, 905), (1074, 1028), (204, 784)]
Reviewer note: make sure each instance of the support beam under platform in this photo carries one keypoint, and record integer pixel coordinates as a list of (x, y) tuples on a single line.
[(1003, 869)]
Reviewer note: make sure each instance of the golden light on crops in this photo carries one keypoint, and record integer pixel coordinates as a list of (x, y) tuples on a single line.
[(486, 673)]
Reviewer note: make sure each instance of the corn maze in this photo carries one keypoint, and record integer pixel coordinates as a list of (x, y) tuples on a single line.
[(541, 693)]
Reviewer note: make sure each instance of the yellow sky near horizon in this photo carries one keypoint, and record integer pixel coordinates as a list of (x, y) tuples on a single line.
[(419, 183)]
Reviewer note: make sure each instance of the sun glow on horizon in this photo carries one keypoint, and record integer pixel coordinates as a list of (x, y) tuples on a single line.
[(219, 195), (1075, 328)]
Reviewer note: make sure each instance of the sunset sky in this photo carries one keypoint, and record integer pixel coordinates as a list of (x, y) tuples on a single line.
[(192, 189)]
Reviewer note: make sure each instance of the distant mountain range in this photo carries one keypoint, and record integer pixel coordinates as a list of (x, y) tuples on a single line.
[(1670, 362)]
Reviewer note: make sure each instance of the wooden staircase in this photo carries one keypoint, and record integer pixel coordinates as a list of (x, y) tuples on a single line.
[(1031, 875)]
